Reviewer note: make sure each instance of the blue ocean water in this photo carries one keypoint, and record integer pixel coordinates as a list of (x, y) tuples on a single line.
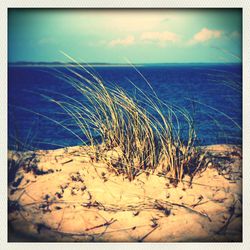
[(211, 92)]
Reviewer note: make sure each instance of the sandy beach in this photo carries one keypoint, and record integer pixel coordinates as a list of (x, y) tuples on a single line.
[(68, 195)]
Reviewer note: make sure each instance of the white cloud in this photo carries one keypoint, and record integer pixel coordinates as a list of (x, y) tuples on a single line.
[(205, 35), (159, 37), (129, 40)]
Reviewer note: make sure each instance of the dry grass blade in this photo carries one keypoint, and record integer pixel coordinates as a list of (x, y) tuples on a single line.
[(142, 136)]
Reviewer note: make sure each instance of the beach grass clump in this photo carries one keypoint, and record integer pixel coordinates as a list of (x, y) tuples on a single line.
[(132, 134)]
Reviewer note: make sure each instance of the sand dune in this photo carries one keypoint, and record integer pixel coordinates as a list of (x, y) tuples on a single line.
[(65, 195)]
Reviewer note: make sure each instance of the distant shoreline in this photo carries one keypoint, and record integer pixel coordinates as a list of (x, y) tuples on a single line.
[(58, 64)]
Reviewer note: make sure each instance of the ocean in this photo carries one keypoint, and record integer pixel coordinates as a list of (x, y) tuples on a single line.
[(212, 93)]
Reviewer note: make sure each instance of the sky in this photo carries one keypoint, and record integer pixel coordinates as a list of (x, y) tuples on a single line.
[(121, 36)]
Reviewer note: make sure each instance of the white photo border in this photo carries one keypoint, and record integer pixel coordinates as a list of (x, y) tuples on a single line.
[(244, 4)]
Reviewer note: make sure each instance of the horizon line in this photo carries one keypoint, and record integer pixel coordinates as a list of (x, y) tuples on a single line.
[(106, 63)]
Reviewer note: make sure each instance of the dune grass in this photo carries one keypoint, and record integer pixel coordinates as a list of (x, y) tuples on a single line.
[(131, 134)]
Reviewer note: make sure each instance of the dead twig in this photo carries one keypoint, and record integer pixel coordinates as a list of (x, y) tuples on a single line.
[(108, 223), (67, 161), (199, 203), (184, 206), (146, 235), (223, 229), (60, 223)]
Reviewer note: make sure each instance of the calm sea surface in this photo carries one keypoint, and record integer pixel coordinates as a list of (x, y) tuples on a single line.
[(215, 91)]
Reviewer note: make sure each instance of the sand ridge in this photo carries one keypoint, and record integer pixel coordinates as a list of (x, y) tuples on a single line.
[(65, 195)]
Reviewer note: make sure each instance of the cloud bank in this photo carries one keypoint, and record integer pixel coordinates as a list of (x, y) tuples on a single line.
[(165, 36), (205, 35), (129, 40), (161, 38)]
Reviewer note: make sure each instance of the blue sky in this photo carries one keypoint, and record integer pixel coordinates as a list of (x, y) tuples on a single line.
[(115, 36)]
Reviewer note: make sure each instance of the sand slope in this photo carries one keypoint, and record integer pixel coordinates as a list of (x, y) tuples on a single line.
[(64, 195)]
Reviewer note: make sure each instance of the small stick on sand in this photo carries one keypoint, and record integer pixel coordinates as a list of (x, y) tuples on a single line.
[(108, 223), (184, 206), (67, 161), (223, 229), (60, 223), (146, 235)]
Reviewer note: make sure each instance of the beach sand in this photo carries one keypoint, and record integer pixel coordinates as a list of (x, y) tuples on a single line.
[(65, 195)]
